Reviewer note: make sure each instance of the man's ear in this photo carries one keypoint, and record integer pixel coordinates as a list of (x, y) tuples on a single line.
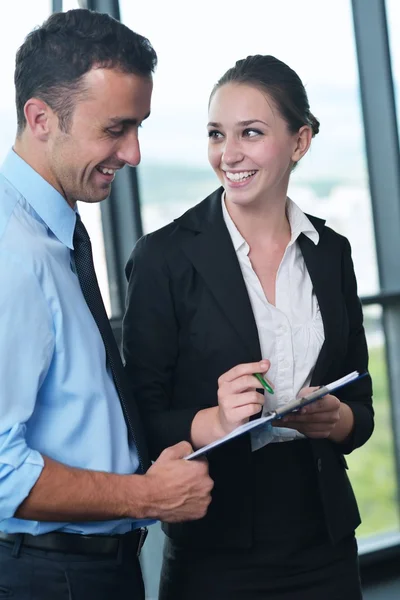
[(39, 118)]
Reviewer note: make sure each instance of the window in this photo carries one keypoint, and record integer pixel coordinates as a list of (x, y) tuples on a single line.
[(13, 31), (330, 182), (91, 216), (372, 468), (15, 24), (393, 18)]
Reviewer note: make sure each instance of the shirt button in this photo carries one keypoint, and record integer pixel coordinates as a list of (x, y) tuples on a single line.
[(319, 465)]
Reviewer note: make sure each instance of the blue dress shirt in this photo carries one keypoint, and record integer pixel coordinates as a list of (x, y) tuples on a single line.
[(57, 398)]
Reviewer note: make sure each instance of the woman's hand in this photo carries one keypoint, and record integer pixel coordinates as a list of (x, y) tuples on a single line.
[(324, 418), (238, 399)]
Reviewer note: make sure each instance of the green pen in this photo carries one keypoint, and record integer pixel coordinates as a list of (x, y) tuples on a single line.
[(264, 383)]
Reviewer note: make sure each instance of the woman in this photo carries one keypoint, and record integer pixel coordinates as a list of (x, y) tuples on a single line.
[(246, 275)]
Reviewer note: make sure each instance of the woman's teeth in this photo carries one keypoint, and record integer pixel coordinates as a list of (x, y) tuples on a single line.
[(239, 176)]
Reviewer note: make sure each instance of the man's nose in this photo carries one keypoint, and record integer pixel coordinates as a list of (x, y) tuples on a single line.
[(129, 151)]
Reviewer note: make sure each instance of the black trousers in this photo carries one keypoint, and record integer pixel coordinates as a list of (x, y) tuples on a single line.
[(31, 574), (325, 573), (291, 557)]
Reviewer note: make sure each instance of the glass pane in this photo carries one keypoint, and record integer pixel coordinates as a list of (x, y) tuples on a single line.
[(393, 20), (13, 31), (20, 18), (330, 182), (91, 216), (70, 4), (372, 467)]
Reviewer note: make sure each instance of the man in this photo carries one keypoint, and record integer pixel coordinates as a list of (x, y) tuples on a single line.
[(73, 494)]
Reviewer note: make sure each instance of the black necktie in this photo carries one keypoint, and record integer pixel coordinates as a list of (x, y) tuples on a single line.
[(91, 291)]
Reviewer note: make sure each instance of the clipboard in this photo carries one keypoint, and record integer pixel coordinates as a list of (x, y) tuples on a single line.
[(280, 412)]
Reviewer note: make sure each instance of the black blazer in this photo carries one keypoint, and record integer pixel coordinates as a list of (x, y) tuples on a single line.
[(189, 320)]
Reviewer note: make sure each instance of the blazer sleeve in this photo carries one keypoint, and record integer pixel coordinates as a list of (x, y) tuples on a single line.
[(150, 346), (357, 396)]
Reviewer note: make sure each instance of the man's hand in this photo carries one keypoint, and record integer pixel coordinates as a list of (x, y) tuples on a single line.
[(178, 489)]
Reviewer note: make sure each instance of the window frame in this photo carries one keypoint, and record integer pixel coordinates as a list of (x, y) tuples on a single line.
[(383, 161), (122, 223)]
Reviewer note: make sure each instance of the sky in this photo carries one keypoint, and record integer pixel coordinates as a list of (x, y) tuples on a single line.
[(197, 42)]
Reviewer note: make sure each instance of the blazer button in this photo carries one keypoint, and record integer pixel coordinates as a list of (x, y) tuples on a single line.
[(319, 465)]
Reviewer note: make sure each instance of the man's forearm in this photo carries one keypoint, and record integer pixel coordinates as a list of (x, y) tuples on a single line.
[(65, 493)]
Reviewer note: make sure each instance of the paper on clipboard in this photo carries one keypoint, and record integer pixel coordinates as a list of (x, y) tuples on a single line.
[(278, 413)]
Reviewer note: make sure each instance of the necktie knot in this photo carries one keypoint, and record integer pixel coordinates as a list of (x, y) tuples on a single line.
[(80, 233)]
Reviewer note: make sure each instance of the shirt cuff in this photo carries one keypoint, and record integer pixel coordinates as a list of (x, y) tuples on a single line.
[(16, 483)]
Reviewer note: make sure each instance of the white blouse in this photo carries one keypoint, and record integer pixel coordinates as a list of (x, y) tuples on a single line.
[(291, 333)]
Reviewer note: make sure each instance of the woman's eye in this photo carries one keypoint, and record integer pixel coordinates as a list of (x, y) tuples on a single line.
[(251, 132), (213, 134)]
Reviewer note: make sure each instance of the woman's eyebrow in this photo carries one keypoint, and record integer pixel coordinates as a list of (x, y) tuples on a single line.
[(241, 123)]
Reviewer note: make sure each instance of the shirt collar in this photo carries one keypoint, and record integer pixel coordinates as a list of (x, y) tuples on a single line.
[(237, 238), (299, 223), (46, 201)]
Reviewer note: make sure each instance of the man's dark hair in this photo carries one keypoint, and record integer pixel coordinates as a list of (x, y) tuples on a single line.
[(53, 59)]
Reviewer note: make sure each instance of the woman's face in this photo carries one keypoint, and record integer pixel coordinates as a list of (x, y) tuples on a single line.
[(250, 146)]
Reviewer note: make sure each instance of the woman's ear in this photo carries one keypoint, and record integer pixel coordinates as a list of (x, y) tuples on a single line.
[(303, 140)]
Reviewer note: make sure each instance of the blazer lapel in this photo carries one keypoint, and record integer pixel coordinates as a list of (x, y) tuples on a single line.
[(210, 249), (318, 260), (212, 254)]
